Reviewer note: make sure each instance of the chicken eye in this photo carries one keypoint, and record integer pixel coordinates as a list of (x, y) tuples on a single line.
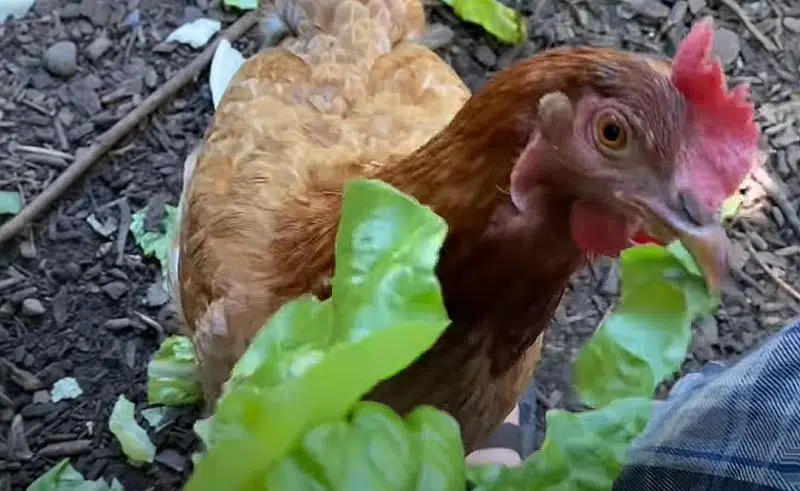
[(611, 134)]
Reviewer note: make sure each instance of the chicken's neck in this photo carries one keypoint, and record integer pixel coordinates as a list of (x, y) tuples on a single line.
[(502, 273)]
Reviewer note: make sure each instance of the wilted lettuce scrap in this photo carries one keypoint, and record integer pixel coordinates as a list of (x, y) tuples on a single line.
[(133, 439), (64, 477), (65, 388), (10, 201), (172, 378), (156, 244)]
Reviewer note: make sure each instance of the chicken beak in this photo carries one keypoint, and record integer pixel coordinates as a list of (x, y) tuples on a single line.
[(699, 230)]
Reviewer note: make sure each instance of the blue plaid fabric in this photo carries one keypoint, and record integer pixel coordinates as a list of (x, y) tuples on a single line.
[(726, 428)]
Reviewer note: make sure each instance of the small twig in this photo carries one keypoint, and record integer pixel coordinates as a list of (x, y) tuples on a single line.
[(786, 287), (779, 197), (44, 151), (107, 140), (762, 38)]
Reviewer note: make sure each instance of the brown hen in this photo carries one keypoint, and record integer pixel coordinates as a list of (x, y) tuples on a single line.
[(567, 155)]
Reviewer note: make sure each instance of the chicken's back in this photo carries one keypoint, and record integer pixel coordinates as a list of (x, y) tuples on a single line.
[(348, 93)]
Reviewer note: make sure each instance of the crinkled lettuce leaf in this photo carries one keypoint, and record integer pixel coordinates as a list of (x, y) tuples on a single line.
[(375, 449), (156, 244), (314, 360), (172, 378), (505, 23), (646, 338)]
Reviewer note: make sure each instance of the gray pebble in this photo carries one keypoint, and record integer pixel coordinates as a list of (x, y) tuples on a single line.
[(98, 47), (115, 289), (726, 45), (41, 397), (151, 77), (696, 6), (792, 24), (27, 250), (486, 56), (172, 459), (32, 307), (649, 8), (61, 59)]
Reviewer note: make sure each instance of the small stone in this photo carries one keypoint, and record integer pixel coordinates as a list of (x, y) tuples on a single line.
[(23, 378), (151, 78), (172, 459), (793, 157), (726, 45), (437, 36), (789, 137), (792, 24), (707, 333), (115, 290), (649, 8), (27, 250), (17, 444), (70, 11), (7, 309), (156, 295), (41, 397), (118, 324), (486, 56), (610, 285), (191, 13), (777, 215), (61, 59), (98, 47), (66, 449), (32, 307), (677, 13), (696, 6)]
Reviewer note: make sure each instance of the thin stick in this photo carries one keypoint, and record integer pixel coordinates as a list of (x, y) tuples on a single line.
[(782, 284), (108, 139), (762, 38)]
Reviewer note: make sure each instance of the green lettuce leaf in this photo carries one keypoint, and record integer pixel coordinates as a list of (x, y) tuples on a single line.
[(646, 338), (172, 378), (643, 341), (153, 243), (386, 308), (64, 477), (505, 23), (582, 451), (422, 452), (133, 439)]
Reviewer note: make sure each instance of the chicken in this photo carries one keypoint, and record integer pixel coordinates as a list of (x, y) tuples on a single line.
[(564, 157)]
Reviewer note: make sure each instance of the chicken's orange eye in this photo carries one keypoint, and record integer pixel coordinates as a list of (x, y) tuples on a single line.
[(611, 134)]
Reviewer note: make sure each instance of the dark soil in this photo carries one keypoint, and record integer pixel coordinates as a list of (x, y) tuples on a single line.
[(78, 299)]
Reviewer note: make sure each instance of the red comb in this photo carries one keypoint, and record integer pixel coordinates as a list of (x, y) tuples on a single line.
[(724, 136)]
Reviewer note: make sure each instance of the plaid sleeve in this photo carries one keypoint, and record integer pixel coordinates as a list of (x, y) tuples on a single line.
[(726, 428)]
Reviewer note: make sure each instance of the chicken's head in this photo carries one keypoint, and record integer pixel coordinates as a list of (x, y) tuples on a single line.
[(644, 151)]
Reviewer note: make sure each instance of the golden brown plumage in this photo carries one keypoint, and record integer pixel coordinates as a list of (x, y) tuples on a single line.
[(351, 97)]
